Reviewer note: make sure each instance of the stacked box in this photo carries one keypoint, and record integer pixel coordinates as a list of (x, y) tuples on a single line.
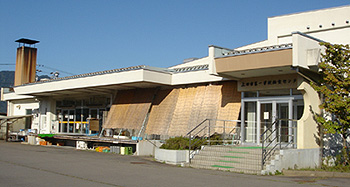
[(115, 149), (81, 145), (126, 150)]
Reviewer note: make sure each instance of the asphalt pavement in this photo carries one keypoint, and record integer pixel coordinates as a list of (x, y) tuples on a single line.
[(29, 165)]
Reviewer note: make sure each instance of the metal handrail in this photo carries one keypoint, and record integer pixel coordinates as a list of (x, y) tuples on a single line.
[(266, 155), (208, 126), (196, 127)]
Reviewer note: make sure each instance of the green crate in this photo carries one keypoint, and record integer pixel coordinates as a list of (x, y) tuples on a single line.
[(128, 150)]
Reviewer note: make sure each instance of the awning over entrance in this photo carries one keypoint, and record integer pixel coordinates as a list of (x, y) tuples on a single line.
[(256, 63)]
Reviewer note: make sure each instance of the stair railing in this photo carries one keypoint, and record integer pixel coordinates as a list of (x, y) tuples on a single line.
[(272, 136), (203, 131)]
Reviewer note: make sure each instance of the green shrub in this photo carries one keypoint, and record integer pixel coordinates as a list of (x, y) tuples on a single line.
[(182, 143), (216, 139)]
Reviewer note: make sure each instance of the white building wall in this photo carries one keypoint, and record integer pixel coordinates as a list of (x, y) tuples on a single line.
[(306, 51), (20, 107), (308, 22), (47, 116), (334, 22), (335, 36)]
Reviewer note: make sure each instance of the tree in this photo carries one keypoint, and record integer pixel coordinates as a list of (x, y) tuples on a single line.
[(334, 88)]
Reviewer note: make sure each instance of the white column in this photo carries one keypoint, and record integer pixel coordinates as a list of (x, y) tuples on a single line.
[(274, 117), (258, 124), (290, 116), (242, 122)]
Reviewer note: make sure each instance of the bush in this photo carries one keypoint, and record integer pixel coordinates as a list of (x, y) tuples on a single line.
[(216, 139), (182, 143)]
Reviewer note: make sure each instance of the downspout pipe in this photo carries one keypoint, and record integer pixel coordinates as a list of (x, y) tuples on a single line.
[(297, 69)]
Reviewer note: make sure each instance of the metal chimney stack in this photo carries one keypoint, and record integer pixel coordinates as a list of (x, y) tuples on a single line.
[(25, 61)]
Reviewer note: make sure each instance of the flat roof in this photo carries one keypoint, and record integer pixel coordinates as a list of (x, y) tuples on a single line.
[(27, 41)]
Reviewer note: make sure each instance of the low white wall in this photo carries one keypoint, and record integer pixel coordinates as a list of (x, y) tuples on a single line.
[(172, 156), (147, 148), (298, 158)]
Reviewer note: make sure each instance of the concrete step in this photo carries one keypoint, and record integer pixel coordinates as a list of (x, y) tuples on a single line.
[(237, 165), (227, 168), (251, 149), (229, 159), (245, 149), (246, 159), (230, 154)]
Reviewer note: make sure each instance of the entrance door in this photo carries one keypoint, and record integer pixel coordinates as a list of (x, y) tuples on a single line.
[(68, 120), (260, 115), (270, 111), (64, 122), (267, 117), (282, 111)]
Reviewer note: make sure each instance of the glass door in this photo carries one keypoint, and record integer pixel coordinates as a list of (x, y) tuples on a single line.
[(260, 115), (283, 123), (270, 111), (250, 129), (267, 117), (67, 121), (64, 122), (71, 121)]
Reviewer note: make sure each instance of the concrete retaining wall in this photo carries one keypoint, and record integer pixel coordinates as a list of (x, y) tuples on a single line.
[(147, 148), (172, 156), (296, 158)]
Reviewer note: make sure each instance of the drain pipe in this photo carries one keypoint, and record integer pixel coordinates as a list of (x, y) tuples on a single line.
[(303, 75)]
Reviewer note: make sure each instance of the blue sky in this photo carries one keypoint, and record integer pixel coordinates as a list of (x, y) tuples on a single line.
[(84, 36)]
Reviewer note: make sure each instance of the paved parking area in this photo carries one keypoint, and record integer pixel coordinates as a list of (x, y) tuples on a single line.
[(28, 165)]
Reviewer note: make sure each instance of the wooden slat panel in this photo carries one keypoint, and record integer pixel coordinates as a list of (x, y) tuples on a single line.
[(116, 115), (179, 123), (138, 109), (175, 112), (129, 109), (210, 104), (230, 104), (195, 117), (162, 112)]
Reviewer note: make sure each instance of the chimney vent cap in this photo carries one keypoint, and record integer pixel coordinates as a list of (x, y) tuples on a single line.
[(27, 41)]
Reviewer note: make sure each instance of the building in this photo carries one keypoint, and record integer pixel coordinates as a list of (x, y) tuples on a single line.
[(252, 86)]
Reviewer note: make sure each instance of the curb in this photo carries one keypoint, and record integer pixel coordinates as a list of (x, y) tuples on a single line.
[(295, 173)]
